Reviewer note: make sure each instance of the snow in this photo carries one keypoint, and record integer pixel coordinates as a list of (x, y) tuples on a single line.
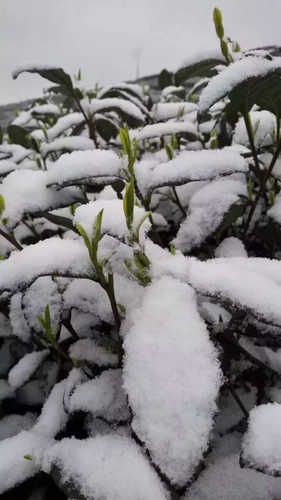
[(111, 467), (113, 219), (189, 166), (137, 89), (63, 124), (100, 105), (17, 152), (275, 211), (45, 109), (53, 416), (165, 110), (42, 292), (234, 74), (83, 165), (14, 468), (200, 56), (7, 166), (25, 368), (206, 212), (53, 256), (18, 321), (32, 68), (261, 443), (223, 478), (32, 195), (214, 313), (89, 350), (6, 391), (89, 297), (162, 129), (67, 143), (102, 397), (172, 386), (264, 127), (13, 424), (231, 247), (247, 283)]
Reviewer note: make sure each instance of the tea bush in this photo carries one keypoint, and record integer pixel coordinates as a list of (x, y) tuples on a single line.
[(140, 286)]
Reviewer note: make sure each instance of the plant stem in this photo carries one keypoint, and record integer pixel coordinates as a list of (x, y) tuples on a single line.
[(178, 202), (264, 178), (90, 123), (11, 239)]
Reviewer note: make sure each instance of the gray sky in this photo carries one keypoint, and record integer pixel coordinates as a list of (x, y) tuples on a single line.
[(105, 37)]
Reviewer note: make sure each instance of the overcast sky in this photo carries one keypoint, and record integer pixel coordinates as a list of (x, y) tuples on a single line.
[(106, 37)]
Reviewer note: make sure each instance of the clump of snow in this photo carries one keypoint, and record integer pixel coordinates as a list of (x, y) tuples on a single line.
[(67, 143), (223, 478), (63, 124), (89, 350), (113, 219), (25, 368), (264, 127), (53, 256), (162, 129), (275, 211), (113, 103), (25, 192), (42, 292), (111, 467), (6, 391), (261, 444), (166, 110), (53, 416), (83, 165), (45, 109), (190, 166), (18, 321), (102, 397), (13, 424), (207, 209), (223, 83), (252, 284), (231, 247), (170, 415), (14, 468)]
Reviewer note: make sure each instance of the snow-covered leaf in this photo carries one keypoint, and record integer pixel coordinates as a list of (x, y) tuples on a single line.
[(110, 467), (168, 357)]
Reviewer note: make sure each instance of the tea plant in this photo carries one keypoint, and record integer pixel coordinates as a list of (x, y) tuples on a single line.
[(140, 285)]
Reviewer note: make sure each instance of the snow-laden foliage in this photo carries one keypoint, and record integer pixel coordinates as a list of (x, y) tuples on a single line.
[(140, 285)]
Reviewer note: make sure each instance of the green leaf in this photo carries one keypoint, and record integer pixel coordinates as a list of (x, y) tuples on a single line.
[(2, 204), (236, 210), (129, 202), (224, 50), (169, 152), (47, 316), (85, 237), (18, 135), (97, 231), (217, 18)]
